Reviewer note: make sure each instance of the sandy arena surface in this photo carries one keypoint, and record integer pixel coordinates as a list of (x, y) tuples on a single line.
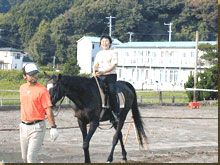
[(176, 134)]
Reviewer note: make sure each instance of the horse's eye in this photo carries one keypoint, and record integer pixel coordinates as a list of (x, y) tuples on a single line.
[(49, 86)]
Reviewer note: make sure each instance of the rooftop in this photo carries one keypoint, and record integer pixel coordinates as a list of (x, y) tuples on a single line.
[(175, 44), (97, 39)]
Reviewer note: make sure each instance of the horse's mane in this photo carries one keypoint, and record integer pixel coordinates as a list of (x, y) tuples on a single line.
[(76, 80)]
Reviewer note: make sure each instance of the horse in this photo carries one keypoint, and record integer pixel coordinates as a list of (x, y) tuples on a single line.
[(84, 93)]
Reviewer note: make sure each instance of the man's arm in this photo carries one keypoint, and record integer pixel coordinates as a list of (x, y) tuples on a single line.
[(50, 116), (53, 131)]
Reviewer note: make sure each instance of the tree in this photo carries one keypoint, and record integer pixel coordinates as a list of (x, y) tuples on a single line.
[(41, 49), (71, 67), (197, 15), (208, 79)]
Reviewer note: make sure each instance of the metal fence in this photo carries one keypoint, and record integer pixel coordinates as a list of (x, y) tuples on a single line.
[(154, 100)]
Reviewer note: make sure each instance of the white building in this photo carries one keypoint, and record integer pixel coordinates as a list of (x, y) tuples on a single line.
[(158, 65), (147, 65), (87, 48), (11, 58)]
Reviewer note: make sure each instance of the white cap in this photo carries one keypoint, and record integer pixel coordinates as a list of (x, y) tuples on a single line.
[(31, 69)]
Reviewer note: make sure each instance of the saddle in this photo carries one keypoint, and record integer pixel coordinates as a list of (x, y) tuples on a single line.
[(104, 94)]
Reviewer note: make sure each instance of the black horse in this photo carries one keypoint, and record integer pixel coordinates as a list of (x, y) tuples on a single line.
[(85, 94)]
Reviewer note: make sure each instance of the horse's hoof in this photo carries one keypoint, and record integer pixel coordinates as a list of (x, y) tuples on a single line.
[(124, 161), (108, 162)]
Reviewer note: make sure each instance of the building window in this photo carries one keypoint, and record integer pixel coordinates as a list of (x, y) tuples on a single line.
[(162, 53), (175, 76), (17, 56), (142, 74), (93, 46), (165, 75), (6, 66), (184, 54), (133, 73), (192, 54), (119, 73), (92, 59), (171, 75), (137, 74), (161, 76), (146, 74), (1, 66)]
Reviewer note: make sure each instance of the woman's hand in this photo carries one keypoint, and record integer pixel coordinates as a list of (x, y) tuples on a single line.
[(100, 73)]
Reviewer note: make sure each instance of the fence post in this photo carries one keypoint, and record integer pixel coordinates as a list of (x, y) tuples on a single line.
[(160, 98), (140, 99), (173, 99)]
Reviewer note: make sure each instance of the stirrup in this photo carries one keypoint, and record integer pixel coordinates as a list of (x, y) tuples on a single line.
[(115, 116)]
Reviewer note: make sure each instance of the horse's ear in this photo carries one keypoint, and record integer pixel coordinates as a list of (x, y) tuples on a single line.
[(46, 75), (59, 77)]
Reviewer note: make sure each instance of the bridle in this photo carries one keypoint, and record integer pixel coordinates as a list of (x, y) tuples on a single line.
[(58, 111)]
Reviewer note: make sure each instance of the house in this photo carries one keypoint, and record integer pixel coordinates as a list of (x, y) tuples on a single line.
[(11, 58), (158, 65), (148, 65), (87, 48)]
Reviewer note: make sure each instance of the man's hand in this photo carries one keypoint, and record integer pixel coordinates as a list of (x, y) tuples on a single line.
[(54, 134)]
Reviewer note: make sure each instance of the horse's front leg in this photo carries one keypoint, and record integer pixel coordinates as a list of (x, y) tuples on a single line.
[(83, 128), (117, 135), (92, 129)]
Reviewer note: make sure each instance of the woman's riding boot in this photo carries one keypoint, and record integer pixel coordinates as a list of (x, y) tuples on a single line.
[(115, 108)]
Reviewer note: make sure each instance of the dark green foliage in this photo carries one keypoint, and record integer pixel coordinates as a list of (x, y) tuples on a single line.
[(190, 84), (5, 5), (48, 28), (208, 79), (71, 67), (11, 75)]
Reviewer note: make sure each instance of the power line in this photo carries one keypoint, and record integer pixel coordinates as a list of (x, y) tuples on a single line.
[(11, 43)]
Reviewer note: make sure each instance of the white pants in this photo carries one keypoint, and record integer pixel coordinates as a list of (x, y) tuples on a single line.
[(31, 139)]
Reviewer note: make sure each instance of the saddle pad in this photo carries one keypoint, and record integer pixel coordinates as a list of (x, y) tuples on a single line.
[(120, 97)]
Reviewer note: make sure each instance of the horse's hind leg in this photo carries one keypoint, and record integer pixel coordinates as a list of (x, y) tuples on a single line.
[(118, 135), (124, 153)]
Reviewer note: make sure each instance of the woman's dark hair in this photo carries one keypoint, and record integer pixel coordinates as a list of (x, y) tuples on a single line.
[(106, 36)]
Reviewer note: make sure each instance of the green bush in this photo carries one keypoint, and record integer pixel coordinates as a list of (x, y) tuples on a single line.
[(11, 75)]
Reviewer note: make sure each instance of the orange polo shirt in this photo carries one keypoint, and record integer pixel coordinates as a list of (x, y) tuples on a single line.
[(34, 102)]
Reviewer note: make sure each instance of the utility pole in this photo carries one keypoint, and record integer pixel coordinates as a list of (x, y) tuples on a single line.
[(196, 61), (170, 31), (1, 30), (54, 59), (110, 25), (130, 34)]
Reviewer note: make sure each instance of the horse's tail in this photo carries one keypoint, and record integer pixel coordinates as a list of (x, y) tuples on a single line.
[(139, 124)]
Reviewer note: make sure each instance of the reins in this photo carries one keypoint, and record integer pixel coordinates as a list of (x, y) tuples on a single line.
[(61, 102), (106, 128), (58, 111)]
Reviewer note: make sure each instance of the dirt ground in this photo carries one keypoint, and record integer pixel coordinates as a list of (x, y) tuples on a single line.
[(176, 134)]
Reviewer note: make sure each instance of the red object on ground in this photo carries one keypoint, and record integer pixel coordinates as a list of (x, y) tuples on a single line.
[(193, 105)]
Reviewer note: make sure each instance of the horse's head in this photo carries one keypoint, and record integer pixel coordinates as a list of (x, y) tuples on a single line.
[(54, 87)]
